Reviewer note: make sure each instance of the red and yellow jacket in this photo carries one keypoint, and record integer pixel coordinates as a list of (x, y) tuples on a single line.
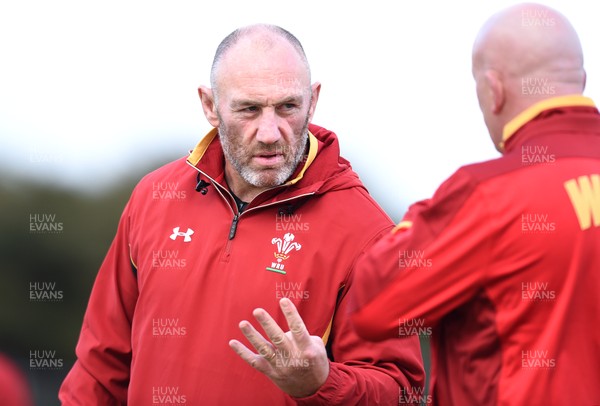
[(502, 266), (185, 268)]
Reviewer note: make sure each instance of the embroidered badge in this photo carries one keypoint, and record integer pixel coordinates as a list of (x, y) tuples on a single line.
[(284, 247)]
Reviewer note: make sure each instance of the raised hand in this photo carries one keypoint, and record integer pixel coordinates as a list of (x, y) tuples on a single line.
[(295, 361)]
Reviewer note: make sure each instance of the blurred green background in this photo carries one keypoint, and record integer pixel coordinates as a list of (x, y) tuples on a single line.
[(46, 276)]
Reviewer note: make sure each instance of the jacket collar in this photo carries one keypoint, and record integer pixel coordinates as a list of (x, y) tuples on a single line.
[(533, 111)]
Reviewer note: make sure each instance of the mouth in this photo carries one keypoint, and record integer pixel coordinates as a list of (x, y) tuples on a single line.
[(269, 159)]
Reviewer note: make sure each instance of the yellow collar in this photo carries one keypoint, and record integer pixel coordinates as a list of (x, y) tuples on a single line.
[(198, 152), (313, 147), (532, 111)]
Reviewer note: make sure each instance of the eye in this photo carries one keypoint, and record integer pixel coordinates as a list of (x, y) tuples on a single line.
[(288, 107), (248, 111)]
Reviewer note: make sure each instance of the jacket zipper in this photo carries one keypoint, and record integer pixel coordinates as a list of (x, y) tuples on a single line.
[(236, 213), (233, 227), (236, 216)]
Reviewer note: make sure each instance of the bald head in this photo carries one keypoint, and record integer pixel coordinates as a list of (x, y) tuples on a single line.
[(524, 54), (255, 42), (530, 39)]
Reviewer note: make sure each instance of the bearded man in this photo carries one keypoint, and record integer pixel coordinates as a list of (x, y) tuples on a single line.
[(263, 220)]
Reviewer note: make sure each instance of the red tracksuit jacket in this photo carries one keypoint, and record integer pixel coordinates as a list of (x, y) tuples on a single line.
[(185, 268), (503, 266)]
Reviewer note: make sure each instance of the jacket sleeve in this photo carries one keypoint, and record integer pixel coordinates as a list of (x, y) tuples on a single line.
[(367, 373), (100, 375), (431, 263)]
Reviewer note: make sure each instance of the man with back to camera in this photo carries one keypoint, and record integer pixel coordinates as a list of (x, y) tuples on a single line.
[(265, 219), (503, 263)]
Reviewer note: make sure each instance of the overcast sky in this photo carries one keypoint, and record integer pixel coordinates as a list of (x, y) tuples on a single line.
[(90, 91)]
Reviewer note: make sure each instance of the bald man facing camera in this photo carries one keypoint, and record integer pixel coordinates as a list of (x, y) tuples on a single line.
[(503, 263), (231, 287)]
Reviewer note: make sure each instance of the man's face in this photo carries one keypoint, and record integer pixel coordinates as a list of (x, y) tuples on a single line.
[(263, 108), (264, 144)]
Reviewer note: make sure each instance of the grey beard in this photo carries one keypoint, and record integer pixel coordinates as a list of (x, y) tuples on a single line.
[(253, 177)]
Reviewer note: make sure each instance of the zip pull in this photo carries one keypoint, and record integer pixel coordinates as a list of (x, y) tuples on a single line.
[(233, 228)]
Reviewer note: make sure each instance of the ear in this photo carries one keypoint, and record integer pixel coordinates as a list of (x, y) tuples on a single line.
[(315, 90), (208, 105), (584, 81), (495, 88)]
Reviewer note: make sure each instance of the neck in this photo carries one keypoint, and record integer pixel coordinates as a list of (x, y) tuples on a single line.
[(242, 189)]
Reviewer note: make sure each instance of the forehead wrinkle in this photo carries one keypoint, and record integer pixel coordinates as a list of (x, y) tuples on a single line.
[(264, 101), (256, 62), (262, 89)]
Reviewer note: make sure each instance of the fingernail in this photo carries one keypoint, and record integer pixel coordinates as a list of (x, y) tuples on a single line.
[(259, 314)]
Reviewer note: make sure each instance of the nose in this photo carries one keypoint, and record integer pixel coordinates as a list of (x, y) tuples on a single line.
[(268, 127)]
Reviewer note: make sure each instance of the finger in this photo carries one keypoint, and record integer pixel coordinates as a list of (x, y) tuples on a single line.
[(264, 348), (274, 332), (295, 323), (254, 360)]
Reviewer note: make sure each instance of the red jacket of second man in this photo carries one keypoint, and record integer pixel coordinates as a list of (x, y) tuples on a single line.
[(502, 267)]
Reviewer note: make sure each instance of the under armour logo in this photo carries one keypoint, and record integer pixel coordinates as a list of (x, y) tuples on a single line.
[(187, 236)]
